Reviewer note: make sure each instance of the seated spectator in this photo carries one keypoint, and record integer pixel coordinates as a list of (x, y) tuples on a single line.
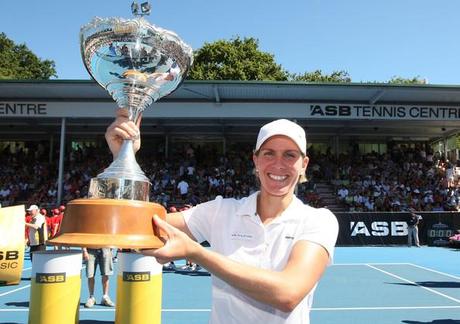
[(454, 240)]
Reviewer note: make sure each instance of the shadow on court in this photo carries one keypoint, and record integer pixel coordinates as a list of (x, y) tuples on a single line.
[(440, 321), (18, 304), (430, 284), (193, 273)]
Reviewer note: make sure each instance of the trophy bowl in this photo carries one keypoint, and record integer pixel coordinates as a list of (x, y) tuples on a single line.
[(137, 63)]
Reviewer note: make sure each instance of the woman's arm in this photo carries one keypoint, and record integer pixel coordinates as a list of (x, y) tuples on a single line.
[(283, 289)]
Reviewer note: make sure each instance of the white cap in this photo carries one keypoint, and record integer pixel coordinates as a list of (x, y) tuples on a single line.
[(32, 207), (283, 127)]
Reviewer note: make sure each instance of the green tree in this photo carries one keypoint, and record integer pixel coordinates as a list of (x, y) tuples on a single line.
[(235, 59), (400, 80), (318, 76), (18, 62)]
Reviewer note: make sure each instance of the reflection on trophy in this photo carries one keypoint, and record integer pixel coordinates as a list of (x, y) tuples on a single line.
[(137, 63)]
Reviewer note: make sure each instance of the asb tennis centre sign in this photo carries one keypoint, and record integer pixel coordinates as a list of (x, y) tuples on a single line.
[(234, 110), (385, 112)]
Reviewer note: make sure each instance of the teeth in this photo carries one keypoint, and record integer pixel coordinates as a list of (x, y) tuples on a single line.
[(277, 178)]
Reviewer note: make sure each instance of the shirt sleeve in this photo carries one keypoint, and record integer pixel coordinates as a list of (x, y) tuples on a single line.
[(321, 228), (199, 219)]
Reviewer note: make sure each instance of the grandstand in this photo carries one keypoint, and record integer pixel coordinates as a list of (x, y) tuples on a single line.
[(204, 133)]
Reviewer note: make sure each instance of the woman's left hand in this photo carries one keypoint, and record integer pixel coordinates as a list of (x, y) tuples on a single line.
[(178, 245)]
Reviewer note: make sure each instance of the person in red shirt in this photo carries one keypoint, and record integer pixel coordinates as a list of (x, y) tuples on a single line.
[(28, 219), (55, 222), (49, 221)]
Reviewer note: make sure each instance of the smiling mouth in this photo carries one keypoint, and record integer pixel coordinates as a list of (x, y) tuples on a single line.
[(277, 177)]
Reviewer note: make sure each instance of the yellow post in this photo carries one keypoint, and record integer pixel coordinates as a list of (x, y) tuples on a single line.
[(11, 244), (55, 287), (138, 289)]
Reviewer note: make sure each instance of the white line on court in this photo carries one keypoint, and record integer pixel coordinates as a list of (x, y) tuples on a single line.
[(414, 283), (163, 310), (380, 308), (21, 288), (185, 310), (113, 309), (365, 264), (14, 290), (435, 271)]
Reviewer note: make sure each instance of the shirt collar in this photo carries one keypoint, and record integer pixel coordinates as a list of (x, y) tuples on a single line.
[(249, 208), (249, 205)]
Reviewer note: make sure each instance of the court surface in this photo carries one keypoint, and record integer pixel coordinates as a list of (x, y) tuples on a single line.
[(365, 285)]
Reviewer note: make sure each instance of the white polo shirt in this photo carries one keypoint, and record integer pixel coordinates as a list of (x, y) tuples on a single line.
[(40, 221), (234, 229)]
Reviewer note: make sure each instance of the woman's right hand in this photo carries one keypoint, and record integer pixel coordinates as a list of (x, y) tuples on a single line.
[(122, 128)]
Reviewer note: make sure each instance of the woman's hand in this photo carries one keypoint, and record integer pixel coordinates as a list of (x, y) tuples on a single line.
[(122, 128), (178, 245)]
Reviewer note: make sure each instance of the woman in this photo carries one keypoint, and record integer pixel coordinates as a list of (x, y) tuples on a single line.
[(268, 250)]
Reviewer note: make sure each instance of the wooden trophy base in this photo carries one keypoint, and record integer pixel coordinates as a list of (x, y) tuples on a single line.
[(96, 223)]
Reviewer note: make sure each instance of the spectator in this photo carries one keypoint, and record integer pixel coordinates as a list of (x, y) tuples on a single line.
[(37, 230), (414, 220), (93, 258)]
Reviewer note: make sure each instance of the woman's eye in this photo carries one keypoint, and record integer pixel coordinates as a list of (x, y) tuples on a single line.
[(291, 155)]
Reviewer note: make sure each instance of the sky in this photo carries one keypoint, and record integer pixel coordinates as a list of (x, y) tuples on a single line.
[(372, 40)]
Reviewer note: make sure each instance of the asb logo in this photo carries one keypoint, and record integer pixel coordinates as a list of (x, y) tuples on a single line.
[(396, 228), (136, 276), (47, 278), (9, 259)]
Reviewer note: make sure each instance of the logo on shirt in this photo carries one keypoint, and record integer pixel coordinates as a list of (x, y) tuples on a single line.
[(289, 237), (242, 236)]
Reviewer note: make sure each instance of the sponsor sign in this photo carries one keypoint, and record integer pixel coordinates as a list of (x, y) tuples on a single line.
[(391, 228), (136, 276), (49, 278), (11, 243), (385, 112)]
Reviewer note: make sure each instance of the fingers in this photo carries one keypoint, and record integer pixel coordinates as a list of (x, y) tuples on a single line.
[(123, 131), (138, 124), (123, 128), (122, 112), (161, 224), (157, 254)]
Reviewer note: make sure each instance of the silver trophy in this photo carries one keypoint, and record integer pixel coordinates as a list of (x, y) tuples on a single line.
[(137, 63)]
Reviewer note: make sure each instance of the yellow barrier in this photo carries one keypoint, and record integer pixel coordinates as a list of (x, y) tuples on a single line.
[(55, 287), (138, 289), (11, 244)]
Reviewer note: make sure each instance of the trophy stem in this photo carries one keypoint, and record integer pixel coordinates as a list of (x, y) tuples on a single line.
[(123, 179)]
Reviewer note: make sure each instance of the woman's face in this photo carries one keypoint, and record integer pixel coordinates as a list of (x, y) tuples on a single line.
[(279, 164)]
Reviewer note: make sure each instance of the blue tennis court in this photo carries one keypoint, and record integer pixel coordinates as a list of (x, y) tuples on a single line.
[(365, 285)]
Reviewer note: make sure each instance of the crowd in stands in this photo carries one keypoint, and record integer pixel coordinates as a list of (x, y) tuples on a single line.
[(398, 180)]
